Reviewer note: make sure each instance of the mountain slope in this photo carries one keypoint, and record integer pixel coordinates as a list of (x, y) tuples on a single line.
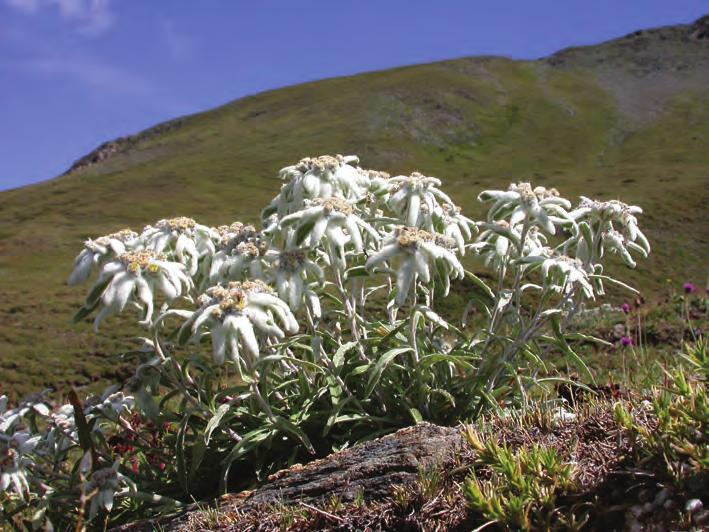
[(625, 119)]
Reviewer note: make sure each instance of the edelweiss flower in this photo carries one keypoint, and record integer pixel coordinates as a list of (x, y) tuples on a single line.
[(62, 433), (451, 223), (188, 240), (329, 217), (496, 238), (34, 403), (520, 201), (414, 198), (235, 314), (245, 259), (605, 213), (419, 251), (136, 275), (110, 403), (96, 251), (378, 182), (290, 269), (617, 243), (232, 235), (494, 241), (102, 486), (570, 271), (14, 460), (318, 177), (237, 248)]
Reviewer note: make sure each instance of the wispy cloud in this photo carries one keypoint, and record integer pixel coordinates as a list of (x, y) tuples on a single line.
[(47, 58), (28, 6), (25, 50), (88, 72), (177, 43), (91, 17)]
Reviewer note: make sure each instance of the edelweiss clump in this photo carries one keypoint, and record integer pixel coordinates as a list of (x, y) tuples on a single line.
[(235, 314), (419, 251)]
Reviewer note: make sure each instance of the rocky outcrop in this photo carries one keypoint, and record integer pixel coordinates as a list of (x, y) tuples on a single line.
[(371, 470), (111, 148)]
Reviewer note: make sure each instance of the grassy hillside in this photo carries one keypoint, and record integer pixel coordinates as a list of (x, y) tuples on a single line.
[(626, 119)]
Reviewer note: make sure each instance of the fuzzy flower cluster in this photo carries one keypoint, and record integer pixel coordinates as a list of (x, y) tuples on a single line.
[(33, 437), (418, 253), (330, 215), (237, 316), (522, 218), (617, 225), (342, 215), (332, 224)]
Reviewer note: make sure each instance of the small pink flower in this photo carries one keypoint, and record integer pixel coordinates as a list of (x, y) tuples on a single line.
[(626, 308), (626, 341), (688, 288)]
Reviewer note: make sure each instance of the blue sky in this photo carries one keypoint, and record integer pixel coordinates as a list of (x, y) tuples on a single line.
[(74, 73)]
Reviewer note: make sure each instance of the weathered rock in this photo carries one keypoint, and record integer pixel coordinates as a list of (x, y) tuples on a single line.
[(371, 470)]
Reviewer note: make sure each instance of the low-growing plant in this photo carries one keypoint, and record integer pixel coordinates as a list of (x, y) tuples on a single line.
[(322, 330), (681, 439), (519, 489)]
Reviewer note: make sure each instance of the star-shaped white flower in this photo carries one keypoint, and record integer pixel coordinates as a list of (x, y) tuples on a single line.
[(236, 315), (333, 220), (522, 202), (561, 272), (415, 198), (187, 240), (14, 459), (318, 177), (603, 214), (245, 260), (294, 274), (99, 250), (102, 486), (133, 277), (419, 252)]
